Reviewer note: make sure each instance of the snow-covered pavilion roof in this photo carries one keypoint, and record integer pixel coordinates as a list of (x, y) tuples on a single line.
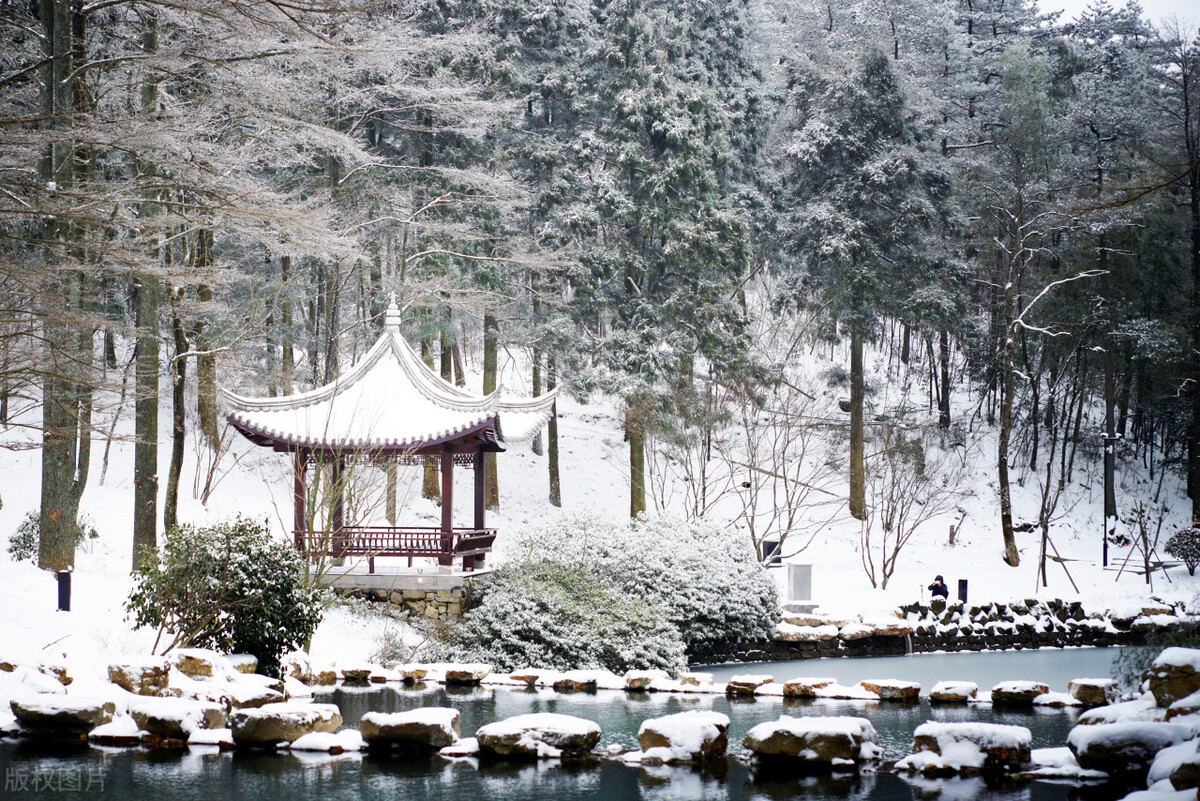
[(388, 402)]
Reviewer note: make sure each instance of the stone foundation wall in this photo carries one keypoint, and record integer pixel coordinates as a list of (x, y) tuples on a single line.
[(440, 605)]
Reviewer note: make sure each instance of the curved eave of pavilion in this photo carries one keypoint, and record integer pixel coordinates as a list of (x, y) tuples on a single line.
[(482, 437)]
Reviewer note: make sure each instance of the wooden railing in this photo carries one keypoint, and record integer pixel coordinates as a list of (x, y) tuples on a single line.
[(413, 541)]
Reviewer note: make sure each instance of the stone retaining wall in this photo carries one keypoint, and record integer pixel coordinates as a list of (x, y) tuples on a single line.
[(921, 628), (440, 605)]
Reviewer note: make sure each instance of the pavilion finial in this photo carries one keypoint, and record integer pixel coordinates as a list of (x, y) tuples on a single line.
[(392, 320)]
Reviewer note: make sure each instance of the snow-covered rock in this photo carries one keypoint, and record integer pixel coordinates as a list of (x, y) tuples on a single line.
[(1059, 763), (176, 718), (243, 663), (788, 632), (537, 736), (533, 677), (746, 683), (356, 673), (247, 693), (330, 742), (692, 736), (953, 692), (470, 673), (805, 687), (466, 747), (814, 739), (121, 731), (693, 679), (411, 674), (1175, 674), (642, 679), (893, 689), (287, 722), (967, 748), (1179, 764), (1094, 692), (221, 738), (577, 681), (200, 663), (141, 675), (62, 713), (1124, 747), (428, 728), (1018, 693), (1056, 700), (840, 692), (1141, 708)]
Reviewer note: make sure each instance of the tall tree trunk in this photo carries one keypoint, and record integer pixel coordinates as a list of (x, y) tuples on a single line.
[(944, 397), (552, 433), (60, 394), (287, 360), (491, 493), (637, 464), (330, 323), (1007, 388), (1110, 393), (206, 361), (536, 355), (1194, 429), (145, 453), (178, 408), (858, 502)]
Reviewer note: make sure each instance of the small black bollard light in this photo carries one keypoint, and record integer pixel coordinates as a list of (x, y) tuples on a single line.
[(64, 590), (962, 590)]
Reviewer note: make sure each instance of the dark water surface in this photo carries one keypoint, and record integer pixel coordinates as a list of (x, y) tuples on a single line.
[(207, 775)]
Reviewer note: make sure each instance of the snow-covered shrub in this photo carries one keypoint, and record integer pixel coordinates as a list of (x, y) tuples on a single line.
[(23, 544), (1184, 545), (552, 615), (230, 587), (707, 580)]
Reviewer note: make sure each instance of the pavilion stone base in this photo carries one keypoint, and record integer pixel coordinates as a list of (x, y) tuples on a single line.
[(443, 600)]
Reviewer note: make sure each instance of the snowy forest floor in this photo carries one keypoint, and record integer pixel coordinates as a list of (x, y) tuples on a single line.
[(255, 482)]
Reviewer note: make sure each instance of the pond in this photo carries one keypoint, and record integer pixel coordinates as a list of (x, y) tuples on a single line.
[(204, 775)]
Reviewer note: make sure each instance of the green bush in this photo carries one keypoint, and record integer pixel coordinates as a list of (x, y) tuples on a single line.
[(1184, 545), (549, 615), (229, 587), (23, 544)]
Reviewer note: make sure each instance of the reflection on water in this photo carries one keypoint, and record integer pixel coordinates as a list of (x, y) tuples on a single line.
[(209, 775)]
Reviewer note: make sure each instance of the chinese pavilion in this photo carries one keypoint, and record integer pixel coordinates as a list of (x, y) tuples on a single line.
[(390, 406)]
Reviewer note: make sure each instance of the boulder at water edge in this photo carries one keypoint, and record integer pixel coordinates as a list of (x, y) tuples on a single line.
[(424, 729), (1175, 674), (1123, 747), (953, 692), (298, 666), (544, 735), (176, 718), (967, 749), (275, 723), (693, 736), (893, 689), (62, 713), (200, 663), (1018, 693), (746, 684), (145, 675), (471, 673), (805, 687), (1093, 692), (827, 740), (642, 679)]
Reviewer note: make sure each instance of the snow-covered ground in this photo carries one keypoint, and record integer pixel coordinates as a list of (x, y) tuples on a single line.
[(594, 464)]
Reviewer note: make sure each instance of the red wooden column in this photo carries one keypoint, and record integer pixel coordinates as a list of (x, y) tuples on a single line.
[(447, 509), (480, 465), (299, 518)]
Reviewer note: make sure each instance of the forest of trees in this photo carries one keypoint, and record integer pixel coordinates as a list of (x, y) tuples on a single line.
[(227, 191)]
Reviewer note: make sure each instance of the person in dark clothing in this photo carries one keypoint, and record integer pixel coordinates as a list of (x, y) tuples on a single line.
[(938, 588)]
